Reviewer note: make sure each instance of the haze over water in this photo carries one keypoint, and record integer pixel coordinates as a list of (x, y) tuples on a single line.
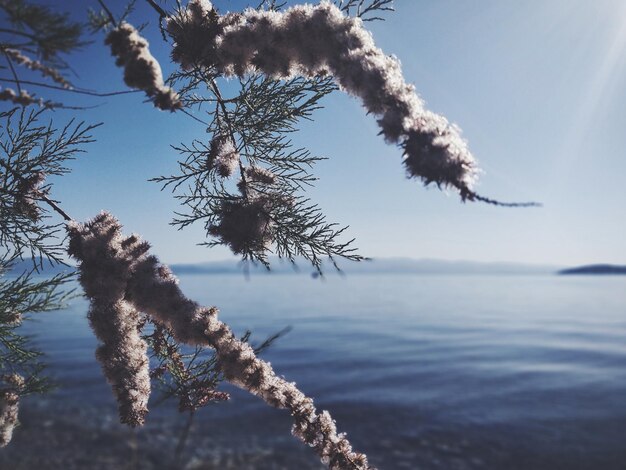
[(421, 371)]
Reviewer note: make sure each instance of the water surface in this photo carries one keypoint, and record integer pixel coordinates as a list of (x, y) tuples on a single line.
[(421, 371)]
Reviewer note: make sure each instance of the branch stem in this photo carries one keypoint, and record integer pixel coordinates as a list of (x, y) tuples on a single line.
[(222, 105), (17, 80), (80, 91), (182, 441), (108, 12), (42, 197)]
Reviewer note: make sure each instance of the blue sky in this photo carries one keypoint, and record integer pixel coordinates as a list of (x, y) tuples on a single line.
[(538, 87)]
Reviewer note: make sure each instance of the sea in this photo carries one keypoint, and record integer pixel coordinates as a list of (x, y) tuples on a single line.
[(422, 371)]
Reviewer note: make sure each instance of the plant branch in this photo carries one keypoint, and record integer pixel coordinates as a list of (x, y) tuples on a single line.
[(80, 91), (152, 288), (472, 196), (182, 440), (42, 197), (229, 124), (108, 12), (162, 13), (10, 62)]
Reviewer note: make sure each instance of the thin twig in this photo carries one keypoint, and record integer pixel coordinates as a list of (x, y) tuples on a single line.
[(162, 13), (182, 110), (222, 105), (108, 12), (162, 16), (80, 91), (17, 80), (472, 196), (42, 197), (55, 207), (182, 441), (19, 33)]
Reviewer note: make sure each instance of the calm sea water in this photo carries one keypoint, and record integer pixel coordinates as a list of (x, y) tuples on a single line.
[(422, 372)]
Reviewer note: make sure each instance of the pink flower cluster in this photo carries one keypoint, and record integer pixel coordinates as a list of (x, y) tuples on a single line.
[(9, 404), (22, 98), (25, 61), (105, 258), (309, 41), (244, 224), (141, 69), (223, 155), (115, 269), (27, 192), (257, 174)]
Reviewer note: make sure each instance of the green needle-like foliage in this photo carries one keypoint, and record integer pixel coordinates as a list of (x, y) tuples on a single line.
[(40, 30), (20, 296), (260, 119), (30, 150)]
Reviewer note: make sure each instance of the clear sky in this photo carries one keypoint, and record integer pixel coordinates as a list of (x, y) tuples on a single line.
[(538, 87)]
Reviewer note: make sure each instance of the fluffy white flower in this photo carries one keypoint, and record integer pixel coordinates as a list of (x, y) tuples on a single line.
[(261, 175), (244, 225), (111, 265), (105, 262), (22, 98), (141, 69), (223, 155), (25, 61), (308, 41), (27, 192), (9, 404)]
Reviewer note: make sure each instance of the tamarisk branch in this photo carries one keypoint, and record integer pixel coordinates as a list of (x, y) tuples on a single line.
[(112, 265), (312, 41)]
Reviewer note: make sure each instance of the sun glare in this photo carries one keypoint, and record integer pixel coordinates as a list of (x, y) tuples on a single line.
[(602, 85)]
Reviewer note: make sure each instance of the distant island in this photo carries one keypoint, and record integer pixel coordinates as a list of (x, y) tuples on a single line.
[(595, 269), (377, 266)]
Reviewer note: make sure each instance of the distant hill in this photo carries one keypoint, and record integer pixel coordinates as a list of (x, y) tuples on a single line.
[(45, 268), (596, 269), (377, 266)]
